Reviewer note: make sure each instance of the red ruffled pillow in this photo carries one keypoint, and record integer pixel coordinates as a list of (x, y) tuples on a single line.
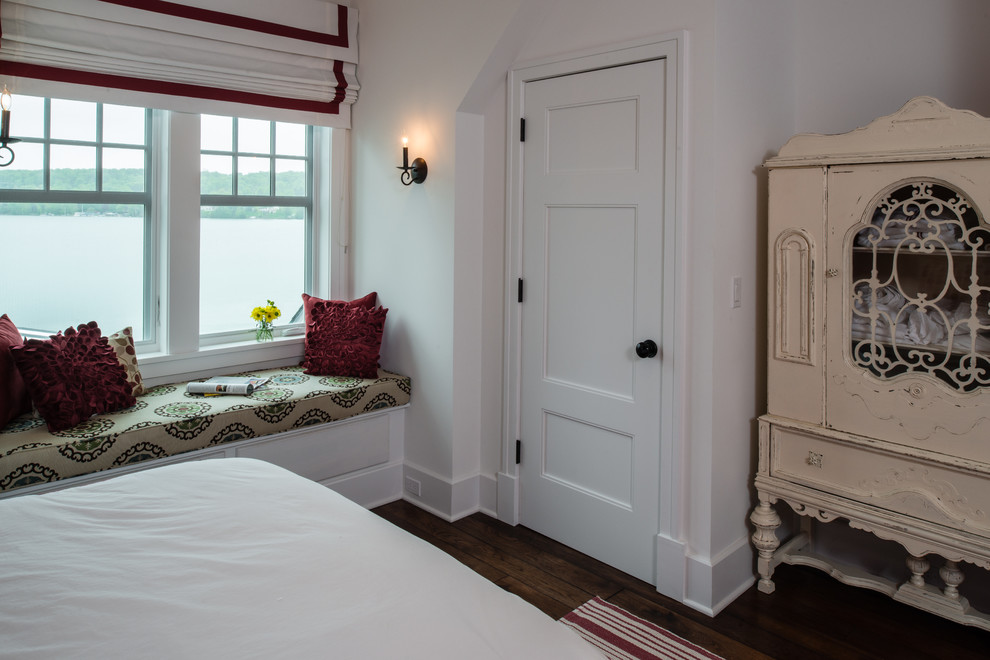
[(365, 302), (73, 376), (344, 340), (14, 399)]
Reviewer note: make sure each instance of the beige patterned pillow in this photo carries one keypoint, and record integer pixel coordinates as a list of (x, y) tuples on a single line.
[(122, 343)]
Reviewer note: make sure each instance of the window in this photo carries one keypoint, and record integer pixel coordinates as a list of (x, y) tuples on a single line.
[(102, 219), (76, 217), (256, 196)]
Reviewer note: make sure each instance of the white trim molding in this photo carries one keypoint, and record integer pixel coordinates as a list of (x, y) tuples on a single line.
[(671, 551)]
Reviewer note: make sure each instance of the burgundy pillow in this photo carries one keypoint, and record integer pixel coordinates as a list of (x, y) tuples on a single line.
[(14, 399), (73, 376), (367, 302), (344, 340)]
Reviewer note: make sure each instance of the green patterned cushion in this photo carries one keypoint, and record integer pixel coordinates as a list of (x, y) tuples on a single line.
[(167, 421)]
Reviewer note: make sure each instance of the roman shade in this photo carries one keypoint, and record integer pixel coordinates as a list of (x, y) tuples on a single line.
[(292, 60)]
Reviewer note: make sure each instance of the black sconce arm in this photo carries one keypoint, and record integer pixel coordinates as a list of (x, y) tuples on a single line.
[(415, 173)]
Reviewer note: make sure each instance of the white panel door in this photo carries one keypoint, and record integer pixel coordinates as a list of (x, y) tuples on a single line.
[(593, 202)]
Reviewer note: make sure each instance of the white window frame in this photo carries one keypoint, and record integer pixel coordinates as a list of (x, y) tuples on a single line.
[(174, 349), (54, 195), (178, 352)]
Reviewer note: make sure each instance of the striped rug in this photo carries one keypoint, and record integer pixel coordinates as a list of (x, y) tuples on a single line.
[(621, 636)]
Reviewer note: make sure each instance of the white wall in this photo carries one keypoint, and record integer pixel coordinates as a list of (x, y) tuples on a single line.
[(756, 73), (417, 62), (494, 278), (859, 59), (752, 115)]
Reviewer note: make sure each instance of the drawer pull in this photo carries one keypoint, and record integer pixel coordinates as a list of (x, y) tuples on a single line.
[(815, 459)]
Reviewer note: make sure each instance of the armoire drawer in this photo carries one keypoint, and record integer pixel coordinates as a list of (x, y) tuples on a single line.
[(903, 484)]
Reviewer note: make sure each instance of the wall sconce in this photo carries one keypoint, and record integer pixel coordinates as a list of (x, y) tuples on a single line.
[(415, 173), (6, 153)]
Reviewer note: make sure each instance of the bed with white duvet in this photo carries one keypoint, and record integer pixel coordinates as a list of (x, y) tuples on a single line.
[(237, 558)]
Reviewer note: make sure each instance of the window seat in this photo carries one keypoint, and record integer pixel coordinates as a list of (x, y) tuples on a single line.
[(167, 422)]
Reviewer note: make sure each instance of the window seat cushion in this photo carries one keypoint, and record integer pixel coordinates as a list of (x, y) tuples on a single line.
[(166, 421)]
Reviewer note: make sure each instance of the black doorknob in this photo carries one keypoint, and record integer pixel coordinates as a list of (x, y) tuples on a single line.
[(647, 349)]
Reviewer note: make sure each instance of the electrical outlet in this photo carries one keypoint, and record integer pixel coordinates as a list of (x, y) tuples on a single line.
[(413, 486)]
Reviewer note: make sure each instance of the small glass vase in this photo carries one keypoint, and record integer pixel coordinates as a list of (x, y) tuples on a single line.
[(263, 333)]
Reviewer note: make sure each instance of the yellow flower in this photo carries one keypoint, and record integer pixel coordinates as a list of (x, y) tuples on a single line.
[(265, 315)]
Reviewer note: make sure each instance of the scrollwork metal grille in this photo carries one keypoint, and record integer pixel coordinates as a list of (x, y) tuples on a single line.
[(920, 297)]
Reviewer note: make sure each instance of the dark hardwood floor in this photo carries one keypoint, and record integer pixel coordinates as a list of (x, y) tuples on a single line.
[(810, 615)]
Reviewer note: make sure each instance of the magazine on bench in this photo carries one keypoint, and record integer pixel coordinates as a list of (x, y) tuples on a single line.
[(227, 385)]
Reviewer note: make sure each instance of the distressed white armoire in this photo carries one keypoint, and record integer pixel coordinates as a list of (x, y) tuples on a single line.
[(879, 351)]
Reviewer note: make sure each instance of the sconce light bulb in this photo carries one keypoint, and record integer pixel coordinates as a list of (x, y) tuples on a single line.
[(5, 99), (411, 174)]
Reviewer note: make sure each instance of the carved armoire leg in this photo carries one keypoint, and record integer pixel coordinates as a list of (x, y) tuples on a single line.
[(918, 566), (766, 521), (953, 577)]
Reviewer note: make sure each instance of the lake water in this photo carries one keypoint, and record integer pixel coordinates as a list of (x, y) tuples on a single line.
[(60, 271)]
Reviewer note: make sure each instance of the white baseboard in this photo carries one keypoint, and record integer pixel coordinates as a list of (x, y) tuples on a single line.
[(507, 505), (465, 497), (733, 571), (488, 495), (671, 567), (445, 498), (371, 487), (713, 583)]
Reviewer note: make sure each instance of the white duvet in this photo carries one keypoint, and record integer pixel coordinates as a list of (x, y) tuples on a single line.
[(236, 558)]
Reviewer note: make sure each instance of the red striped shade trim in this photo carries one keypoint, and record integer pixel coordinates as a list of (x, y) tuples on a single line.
[(179, 89), (232, 20)]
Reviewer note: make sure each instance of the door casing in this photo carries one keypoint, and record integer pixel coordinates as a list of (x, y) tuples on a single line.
[(671, 549)]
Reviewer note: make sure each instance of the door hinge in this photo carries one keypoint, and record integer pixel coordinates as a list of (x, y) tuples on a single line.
[(519, 290), (522, 129), (518, 452)]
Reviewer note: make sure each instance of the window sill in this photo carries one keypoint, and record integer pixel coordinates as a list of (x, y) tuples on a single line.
[(220, 359)]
